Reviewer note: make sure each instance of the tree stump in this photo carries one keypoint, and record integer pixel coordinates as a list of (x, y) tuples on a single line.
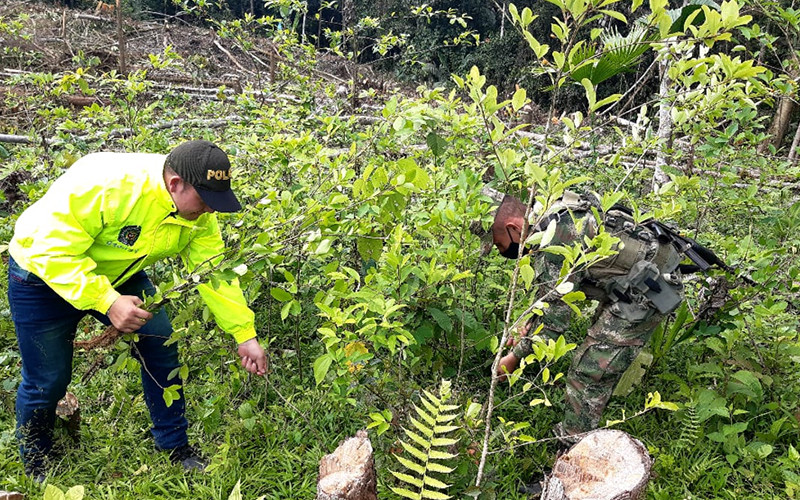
[(349, 472), (11, 495), (605, 465)]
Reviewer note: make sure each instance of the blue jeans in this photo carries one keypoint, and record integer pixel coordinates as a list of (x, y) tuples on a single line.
[(45, 325)]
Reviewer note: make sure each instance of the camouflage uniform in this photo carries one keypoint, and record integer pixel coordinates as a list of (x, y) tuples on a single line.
[(625, 317)]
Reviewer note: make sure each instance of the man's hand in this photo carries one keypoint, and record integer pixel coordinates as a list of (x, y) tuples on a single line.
[(126, 315), (508, 364), (253, 357)]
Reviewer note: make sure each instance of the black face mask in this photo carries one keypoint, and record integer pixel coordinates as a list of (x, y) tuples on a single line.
[(512, 252)]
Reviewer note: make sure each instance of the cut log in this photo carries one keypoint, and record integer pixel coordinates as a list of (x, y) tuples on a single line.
[(605, 465), (349, 472)]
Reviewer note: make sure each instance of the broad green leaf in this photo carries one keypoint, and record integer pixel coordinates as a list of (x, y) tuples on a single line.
[(321, 366), (75, 493), (442, 319), (528, 274), (436, 144), (53, 493), (547, 237), (518, 100), (633, 375), (280, 294)]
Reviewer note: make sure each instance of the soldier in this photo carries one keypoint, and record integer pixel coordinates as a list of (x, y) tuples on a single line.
[(635, 289)]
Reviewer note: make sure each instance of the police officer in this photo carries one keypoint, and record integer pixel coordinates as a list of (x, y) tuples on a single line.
[(635, 289), (82, 249)]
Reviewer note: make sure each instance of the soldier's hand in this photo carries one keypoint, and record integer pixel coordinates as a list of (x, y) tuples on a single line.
[(508, 364), (254, 359), (518, 333), (126, 315)]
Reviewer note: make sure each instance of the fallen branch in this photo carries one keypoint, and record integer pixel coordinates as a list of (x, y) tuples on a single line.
[(233, 59)]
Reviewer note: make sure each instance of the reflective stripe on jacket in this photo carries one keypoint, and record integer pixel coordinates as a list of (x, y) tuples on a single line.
[(108, 217)]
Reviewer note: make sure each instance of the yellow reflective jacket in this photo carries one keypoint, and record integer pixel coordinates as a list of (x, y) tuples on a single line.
[(108, 217)]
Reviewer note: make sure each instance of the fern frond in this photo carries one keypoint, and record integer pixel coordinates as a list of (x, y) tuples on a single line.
[(430, 440), (619, 54), (690, 430), (701, 466)]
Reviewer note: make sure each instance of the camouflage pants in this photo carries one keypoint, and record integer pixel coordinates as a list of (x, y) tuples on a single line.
[(613, 340)]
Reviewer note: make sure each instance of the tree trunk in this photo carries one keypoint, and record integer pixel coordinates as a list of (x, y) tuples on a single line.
[(605, 465), (349, 472), (664, 125), (123, 51), (780, 124), (795, 142)]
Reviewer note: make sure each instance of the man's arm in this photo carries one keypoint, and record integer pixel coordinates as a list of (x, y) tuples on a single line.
[(52, 238), (226, 302)]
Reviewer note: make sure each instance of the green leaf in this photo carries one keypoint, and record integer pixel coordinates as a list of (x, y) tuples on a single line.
[(406, 494), (443, 441), (616, 15), (417, 438), (518, 100), (416, 453), (285, 310), (436, 144), (407, 478), (440, 455), (419, 469), (591, 95), (436, 467), (236, 493), (321, 366), (442, 319), (633, 375), (434, 495), (75, 493), (323, 247), (527, 273), (280, 294), (547, 237), (53, 493), (435, 483)]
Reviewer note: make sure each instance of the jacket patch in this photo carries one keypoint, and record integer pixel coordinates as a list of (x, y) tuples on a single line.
[(129, 234)]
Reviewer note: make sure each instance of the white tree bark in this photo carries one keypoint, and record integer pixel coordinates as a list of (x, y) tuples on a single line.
[(664, 124)]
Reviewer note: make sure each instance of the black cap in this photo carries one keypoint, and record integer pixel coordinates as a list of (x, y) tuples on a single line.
[(207, 168)]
